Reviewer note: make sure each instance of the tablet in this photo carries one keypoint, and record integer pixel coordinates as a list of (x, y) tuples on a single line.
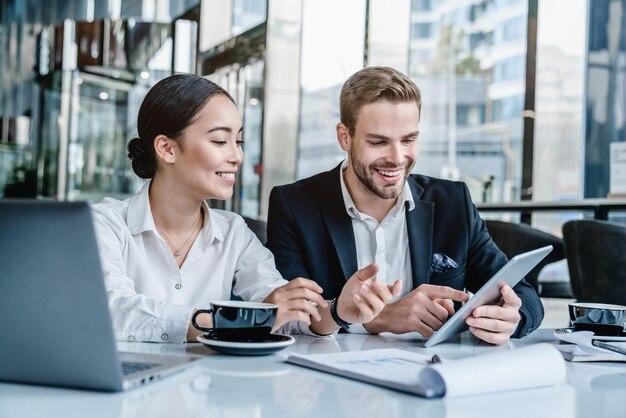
[(511, 273)]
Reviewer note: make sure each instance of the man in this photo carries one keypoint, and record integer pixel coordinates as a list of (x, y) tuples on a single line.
[(369, 209)]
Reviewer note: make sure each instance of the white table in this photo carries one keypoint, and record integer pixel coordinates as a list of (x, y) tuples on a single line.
[(227, 386)]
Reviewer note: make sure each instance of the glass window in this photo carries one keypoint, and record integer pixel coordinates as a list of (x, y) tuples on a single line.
[(504, 3), (512, 29), (471, 70), (509, 69), (477, 10), (421, 5), (559, 101), (559, 90), (247, 14), (482, 38), (252, 109), (507, 108), (605, 93), (421, 30), (332, 50)]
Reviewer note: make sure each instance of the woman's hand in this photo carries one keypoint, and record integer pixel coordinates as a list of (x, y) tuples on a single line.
[(364, 296), (297, 301)]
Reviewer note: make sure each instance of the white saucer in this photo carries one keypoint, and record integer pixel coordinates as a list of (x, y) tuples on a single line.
[(274, 343), (570, 330)]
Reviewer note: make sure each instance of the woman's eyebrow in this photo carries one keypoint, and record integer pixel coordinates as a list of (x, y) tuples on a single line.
[(223, 128)]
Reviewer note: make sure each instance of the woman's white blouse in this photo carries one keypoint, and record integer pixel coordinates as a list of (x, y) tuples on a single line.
[(150, 297)]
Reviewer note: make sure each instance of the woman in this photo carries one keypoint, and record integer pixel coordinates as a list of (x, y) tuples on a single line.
[(166, 253)]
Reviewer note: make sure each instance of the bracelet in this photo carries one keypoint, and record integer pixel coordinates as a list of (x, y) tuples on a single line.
[(333, 312)]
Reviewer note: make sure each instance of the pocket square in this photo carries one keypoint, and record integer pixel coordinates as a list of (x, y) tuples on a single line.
[(441, 263)]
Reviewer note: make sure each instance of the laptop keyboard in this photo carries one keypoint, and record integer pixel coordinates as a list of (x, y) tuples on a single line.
[(129, 367)]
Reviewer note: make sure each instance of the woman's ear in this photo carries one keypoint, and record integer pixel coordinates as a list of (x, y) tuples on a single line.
[(343, 137), (165, 149)]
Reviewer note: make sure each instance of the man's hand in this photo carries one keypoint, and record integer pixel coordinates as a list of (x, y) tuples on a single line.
[(424, 310), (364, 296), (495, 323), (297, 301)]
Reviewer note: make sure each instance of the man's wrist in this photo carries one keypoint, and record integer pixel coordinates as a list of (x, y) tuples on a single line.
[(520, 326), (369, 327), (374, 326)]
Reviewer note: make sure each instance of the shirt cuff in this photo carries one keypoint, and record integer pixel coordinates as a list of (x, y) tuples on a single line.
[(173, 324), (520, 325), (298, 327), (358, 329)]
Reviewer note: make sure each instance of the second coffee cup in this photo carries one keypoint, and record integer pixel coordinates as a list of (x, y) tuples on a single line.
[(238, 320)]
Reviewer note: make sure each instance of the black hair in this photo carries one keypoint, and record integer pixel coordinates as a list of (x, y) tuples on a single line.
[(169, 107)]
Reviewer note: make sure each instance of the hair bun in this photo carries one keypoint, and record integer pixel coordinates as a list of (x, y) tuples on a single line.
[(143, 163), (134, 148)]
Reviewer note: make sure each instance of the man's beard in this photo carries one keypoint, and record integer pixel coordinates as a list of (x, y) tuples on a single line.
[(365, 175)]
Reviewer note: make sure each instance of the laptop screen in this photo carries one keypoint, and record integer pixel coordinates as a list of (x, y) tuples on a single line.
[(56, 321)]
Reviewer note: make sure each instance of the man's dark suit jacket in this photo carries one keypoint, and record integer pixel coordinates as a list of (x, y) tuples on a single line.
[(311, 236)]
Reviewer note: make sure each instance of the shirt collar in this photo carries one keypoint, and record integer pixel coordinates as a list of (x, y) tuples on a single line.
[(140, 219), (405, 199)]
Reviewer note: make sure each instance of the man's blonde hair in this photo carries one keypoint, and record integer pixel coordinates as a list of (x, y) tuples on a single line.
[(373, 84)]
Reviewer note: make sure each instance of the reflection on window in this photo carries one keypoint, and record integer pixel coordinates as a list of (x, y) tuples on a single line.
[(332, 50), (606, 93), (421, 30), (247, 14), (470, 115), (480, 38), (470, 67), (507, 108), (512, 30), (497, 4), (97, 161), (509, 69), (253, 131), (421, 5), (559, 108)]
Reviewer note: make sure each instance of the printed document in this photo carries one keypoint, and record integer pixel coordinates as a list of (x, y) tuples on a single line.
[(501, 370)]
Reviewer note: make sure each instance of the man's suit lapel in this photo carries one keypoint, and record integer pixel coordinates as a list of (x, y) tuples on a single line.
[(338, 222), (419, 222)]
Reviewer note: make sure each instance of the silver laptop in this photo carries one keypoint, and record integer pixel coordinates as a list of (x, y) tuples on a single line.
[(56, 326)]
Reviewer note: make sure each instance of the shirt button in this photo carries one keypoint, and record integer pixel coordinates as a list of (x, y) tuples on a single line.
[(165, 337), (178, 286), (131, 338)]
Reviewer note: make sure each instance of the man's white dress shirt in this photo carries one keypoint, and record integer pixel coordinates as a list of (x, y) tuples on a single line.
[(385, 243), (150, 297)]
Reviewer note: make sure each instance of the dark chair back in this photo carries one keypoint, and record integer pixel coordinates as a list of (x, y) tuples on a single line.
[(260, 230), (596, 258), (258, 227), (514, 239)]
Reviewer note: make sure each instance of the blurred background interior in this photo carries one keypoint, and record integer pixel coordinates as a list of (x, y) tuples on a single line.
[(524, 100)]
